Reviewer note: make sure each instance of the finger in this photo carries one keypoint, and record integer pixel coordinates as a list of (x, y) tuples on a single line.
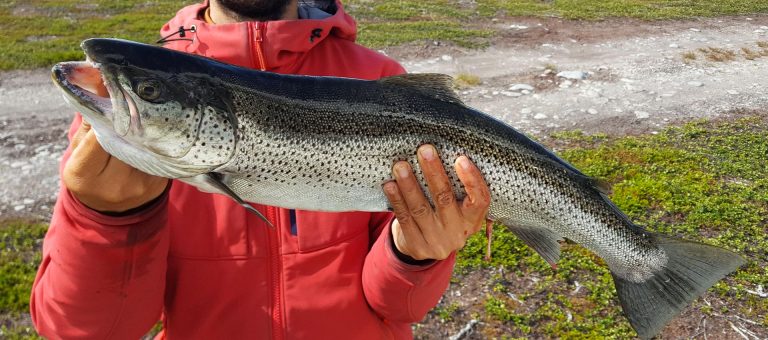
[(82, 130), (89, 157), (418, 205), (439, 184), (408, 237), (475, 205)]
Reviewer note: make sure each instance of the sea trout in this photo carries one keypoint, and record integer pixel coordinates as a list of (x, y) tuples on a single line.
[(328, 144)]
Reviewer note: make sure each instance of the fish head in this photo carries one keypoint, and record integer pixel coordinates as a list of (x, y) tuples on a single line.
[(152, 105)]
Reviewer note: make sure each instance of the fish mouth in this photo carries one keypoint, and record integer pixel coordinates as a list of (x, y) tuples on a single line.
[(83, 82)]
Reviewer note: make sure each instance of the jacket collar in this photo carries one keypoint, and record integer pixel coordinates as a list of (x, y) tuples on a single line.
[(279, 44)]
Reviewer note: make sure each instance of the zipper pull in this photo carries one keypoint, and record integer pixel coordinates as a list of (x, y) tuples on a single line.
[(259, 39)]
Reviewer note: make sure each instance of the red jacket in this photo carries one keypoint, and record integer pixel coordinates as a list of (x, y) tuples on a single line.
[(214, 270)]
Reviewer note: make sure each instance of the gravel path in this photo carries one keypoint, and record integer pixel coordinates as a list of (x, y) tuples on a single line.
[(635, 80), (631, 83)]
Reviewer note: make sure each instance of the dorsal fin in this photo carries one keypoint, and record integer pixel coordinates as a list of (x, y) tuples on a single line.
[(436, 85)]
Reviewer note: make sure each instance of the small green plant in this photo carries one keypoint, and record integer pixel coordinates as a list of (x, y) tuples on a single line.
[(551, 67), (689, 57), (464, 80), (445, 313), (497, 309)]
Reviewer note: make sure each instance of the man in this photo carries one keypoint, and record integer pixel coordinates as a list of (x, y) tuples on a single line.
[(125, 247)]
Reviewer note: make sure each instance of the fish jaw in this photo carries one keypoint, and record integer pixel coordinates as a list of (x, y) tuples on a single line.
[(99, 100)]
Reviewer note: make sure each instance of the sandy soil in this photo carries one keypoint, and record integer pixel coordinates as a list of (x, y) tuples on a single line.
[(635, 81)]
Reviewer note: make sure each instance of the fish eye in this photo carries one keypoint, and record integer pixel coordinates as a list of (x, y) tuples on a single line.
[(148, 89)]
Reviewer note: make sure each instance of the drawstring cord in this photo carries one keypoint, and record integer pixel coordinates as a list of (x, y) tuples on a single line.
[(182, 33)]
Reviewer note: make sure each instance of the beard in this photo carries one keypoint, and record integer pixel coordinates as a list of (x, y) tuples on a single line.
[(259, 10)]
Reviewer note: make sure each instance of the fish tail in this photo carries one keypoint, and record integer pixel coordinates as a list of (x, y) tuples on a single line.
[(690, 270)]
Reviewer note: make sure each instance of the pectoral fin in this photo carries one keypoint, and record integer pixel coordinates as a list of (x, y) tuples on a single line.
[(214, 179)]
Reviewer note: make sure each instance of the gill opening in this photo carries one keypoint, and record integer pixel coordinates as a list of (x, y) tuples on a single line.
[(135, 122)]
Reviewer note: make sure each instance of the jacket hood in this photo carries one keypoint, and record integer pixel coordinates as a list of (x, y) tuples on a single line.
[(269, 45)]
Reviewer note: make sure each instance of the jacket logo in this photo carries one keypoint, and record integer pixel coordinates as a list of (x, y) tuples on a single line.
[(316, 33)]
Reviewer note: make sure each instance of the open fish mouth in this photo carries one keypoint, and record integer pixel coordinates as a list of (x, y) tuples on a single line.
[(83, 82), (86, 86)]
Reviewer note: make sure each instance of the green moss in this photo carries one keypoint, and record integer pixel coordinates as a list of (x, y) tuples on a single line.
[(703, 181), (18, 333), (640, 9), (19, 258), (500, 310)]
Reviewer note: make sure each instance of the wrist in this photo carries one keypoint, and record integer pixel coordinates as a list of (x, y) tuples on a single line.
[(406, 258), (141, 208), (125, 207)]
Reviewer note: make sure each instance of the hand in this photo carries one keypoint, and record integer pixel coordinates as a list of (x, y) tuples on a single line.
[(422, 232), (104, 183)]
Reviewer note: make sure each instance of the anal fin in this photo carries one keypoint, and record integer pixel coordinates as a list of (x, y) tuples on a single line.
[(543, 241)]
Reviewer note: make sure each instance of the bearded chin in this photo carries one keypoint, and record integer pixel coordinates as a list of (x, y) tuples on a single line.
[(258, 10)]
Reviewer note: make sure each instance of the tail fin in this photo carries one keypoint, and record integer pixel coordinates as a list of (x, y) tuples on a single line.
[(691, 269)]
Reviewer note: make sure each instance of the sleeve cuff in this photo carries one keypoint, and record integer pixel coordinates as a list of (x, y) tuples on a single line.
[(79, 210), (394, 256), (405, 258)]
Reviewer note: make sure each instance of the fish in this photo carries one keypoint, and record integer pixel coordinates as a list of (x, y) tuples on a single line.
[(328, 144)]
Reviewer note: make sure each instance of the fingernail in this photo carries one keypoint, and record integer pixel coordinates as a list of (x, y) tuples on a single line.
[(464, 163), (402, 170), (427, 152)]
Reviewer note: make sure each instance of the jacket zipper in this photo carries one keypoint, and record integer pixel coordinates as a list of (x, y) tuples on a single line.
[(260, 26), (276, 265), (273, 233)]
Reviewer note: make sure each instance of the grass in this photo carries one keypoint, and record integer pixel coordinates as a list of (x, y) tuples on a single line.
[(717, 54), (704, 181), (19, 257), (640, 9), (749, 54), (723, 55), (38, 33)]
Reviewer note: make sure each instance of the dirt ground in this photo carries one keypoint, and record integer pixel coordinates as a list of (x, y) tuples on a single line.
[(633, 77)]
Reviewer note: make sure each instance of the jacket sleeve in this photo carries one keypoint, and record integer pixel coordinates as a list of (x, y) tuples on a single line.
[(398, 291), (101, 277)]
